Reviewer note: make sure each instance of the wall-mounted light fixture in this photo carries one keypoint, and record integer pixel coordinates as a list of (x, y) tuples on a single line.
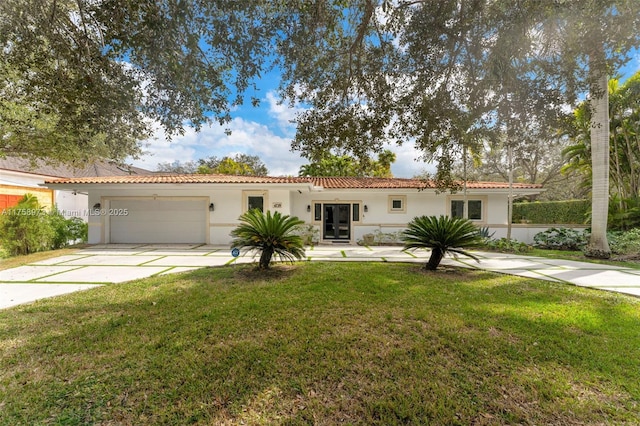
[(308, 208), (211, 207), (366, 208), (97, 206)]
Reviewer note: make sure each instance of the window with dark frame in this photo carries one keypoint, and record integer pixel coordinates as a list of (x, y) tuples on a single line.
[(255, 202), (474, 206), (457, 208), (475, 209)]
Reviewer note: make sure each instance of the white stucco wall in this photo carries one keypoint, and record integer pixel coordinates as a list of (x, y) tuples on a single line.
[(230, 202)]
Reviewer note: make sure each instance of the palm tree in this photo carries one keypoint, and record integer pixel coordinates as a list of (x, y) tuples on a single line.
[(269, 234), (442, 235)]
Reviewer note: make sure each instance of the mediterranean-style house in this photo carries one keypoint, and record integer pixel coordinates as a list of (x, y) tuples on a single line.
[(19, 176), (205, 208)]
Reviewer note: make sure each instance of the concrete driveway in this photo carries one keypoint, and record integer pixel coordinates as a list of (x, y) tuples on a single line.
[(116, 263)]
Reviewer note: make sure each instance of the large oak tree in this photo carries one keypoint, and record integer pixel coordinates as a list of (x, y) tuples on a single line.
[(80, 79)]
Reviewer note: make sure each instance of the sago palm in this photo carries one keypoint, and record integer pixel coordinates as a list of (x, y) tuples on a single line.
[(442, 235), (270, 235)]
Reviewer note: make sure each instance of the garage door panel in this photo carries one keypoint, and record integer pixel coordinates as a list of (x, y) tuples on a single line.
[(158, 221)]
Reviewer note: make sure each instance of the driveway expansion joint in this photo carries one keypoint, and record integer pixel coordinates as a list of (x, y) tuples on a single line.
[(123, 266)]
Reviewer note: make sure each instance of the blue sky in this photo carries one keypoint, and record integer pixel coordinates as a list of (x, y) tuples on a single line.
[(266, 131)]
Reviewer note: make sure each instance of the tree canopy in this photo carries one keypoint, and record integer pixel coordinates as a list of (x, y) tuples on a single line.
[(239, 164), (81, 80), (344, 165)]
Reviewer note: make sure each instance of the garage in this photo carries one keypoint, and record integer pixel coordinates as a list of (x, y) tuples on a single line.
[(169, 220)]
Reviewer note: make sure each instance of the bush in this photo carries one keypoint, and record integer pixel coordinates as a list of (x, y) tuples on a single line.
[(310, 234), (625, 243), (624, 213), (28, 228), (508, 246), (567, 212), (560, 239)]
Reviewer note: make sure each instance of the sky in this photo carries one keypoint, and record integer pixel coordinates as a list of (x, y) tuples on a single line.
[(267, 131)]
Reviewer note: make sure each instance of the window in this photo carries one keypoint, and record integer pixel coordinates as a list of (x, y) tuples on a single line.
[(317, 212), (397, 203), (474, 209), (355, 211), (457, 208), (255, 200)]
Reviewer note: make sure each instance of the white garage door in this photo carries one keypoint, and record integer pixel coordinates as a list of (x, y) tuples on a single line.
[(158, 221)]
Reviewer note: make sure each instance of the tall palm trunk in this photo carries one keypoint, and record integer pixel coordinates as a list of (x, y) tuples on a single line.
[(598, 245)]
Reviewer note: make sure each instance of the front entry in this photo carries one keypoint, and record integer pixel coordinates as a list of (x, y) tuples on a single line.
[(337, 222)]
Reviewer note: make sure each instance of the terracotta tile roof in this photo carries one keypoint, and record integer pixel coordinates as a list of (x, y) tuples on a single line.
[(174, 178), (99, 168), (324, 182), (399, 183)]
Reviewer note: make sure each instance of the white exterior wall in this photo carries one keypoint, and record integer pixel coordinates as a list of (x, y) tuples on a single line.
[(380, 218), (230, 202)]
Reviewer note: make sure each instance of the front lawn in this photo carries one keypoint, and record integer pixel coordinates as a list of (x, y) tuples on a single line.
[(323, 343)]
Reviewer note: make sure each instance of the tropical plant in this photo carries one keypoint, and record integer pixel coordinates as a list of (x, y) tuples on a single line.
[(28, 228), (625, 243), (442, 235), (270, 235), (505, 245), (25, 228), (561, 239)]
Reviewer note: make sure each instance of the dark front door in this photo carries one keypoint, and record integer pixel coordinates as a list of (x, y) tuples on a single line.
[(337, 221)]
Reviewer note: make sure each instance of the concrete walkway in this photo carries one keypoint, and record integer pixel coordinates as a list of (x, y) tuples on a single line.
[(116, 263)]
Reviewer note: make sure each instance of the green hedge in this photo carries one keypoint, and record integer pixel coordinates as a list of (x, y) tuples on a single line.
[(564, 212)]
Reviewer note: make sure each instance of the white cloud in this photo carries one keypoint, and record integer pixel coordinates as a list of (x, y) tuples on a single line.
[(282, 112), (271, 142), (246, 137)]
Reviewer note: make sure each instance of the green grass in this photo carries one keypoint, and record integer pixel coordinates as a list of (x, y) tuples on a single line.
[(15, 261), (580, 257), (323, 343)]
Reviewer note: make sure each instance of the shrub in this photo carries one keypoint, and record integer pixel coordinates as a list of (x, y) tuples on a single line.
[(25, 228), (78, 229), (28, 228), (387, 238), (442, 235), (270, 235), (625, 243), (563, 212), (508, 246), (560, 239), (624, 213), (310, 234)]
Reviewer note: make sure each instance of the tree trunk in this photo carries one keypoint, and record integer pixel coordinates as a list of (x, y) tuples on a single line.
[(434, 260), (598, 246), (265, 257)]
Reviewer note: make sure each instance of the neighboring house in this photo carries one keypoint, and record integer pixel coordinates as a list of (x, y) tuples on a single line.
[(19, 176), (205, 208)]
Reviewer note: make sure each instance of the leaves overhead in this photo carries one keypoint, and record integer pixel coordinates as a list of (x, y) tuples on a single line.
[(81, 80)]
